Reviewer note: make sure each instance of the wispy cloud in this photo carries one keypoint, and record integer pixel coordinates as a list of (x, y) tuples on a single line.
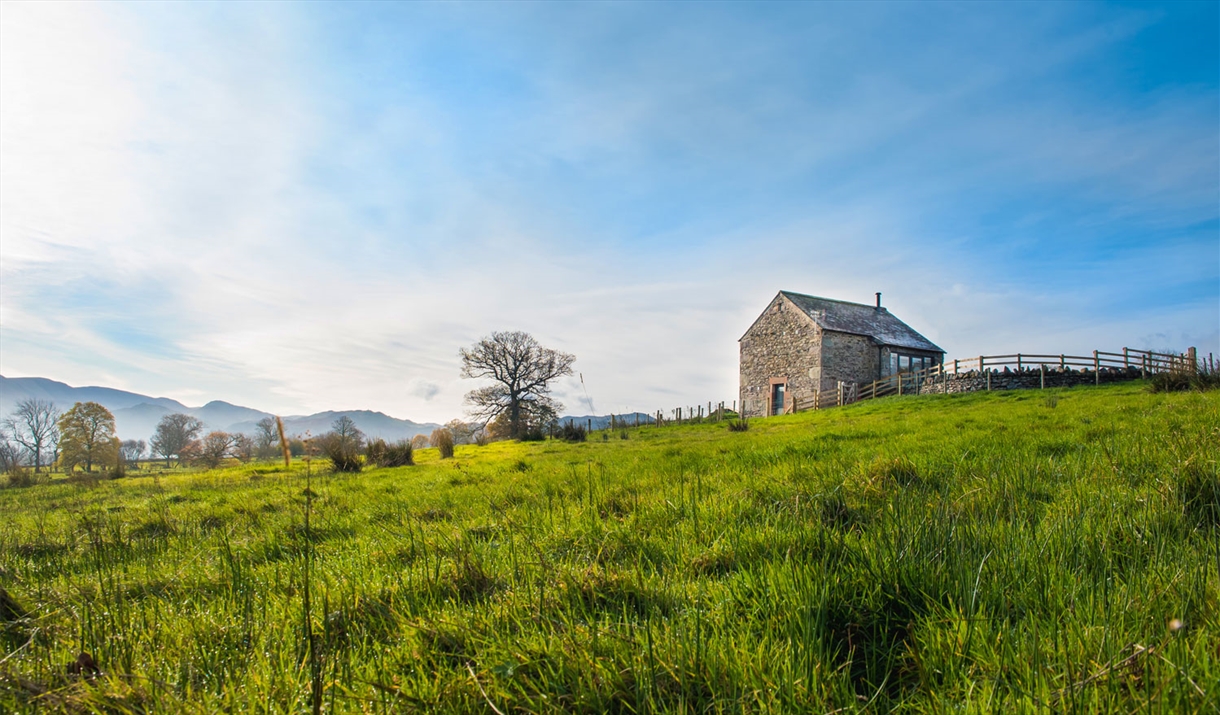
[(304, 207)]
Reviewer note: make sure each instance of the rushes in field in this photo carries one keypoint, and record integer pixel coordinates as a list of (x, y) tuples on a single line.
[(442, 439)]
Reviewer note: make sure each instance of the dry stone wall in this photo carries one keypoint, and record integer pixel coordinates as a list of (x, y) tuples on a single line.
[(1006, 379)]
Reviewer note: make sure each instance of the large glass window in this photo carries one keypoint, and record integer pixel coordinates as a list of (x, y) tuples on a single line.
[(909, 363), (777, 399)]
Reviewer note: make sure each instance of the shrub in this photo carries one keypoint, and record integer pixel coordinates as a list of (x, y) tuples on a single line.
[(398, 454), (740, 424), (374, 452), (344, 454), (1174, 381), (1205, 377), (19, 476), (572, 432), (442, 439), (532, 434)]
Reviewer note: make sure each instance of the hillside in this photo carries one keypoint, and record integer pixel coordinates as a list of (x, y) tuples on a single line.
[(1016, 551)]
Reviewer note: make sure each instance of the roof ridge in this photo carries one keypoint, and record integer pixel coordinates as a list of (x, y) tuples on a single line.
[(832, 300)]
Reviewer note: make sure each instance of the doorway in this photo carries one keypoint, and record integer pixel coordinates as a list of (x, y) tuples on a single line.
[(777, 398)]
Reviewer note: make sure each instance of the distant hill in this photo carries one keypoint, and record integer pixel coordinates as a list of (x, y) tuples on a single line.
[(16, 389), (372, 424), (136, 415), (136, 422)]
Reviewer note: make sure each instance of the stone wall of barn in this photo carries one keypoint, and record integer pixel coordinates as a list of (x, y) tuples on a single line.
[(847, 357), (783, 344)]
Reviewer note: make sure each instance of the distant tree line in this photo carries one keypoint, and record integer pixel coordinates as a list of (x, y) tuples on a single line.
[(516, 404), (36, 438)]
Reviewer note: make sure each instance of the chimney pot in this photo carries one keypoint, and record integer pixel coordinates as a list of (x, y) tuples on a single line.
[(878, 301)]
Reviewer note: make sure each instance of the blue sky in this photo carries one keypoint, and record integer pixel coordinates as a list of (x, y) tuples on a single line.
[(313, 206)]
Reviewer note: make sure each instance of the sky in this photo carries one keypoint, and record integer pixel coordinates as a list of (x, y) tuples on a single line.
[(308, 206)]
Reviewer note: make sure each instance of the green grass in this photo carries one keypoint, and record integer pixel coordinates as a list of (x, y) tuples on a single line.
[(1017, 551)]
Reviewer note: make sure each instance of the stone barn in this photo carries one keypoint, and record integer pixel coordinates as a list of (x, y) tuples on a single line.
[(802, 344)]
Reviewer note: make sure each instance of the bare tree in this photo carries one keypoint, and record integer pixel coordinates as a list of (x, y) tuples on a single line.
[(419, 441), (346, 431), (35, 426), (175, 436), (522, 371), (243, 448), (213, 448), (132, 450), (10, 452), (463, 432), (266, 435), (342, 444), (87, 435)]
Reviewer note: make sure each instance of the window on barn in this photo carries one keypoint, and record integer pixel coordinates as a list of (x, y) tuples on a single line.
[(909, 363)]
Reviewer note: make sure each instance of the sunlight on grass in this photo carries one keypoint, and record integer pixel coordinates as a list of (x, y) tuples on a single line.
[(1039, 551)]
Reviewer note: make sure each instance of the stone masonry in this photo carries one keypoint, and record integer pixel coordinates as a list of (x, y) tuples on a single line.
[(790, 345), (782, 343), (975, 381)]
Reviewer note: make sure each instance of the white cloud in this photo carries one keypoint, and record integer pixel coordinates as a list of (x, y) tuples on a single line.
[(191, 206)]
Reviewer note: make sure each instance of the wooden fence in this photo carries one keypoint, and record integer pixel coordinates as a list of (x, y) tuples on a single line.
[(909, 383), (1146, 361), (715, 412)]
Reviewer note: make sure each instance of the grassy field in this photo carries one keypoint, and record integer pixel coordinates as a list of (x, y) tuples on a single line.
[(1033, 551)]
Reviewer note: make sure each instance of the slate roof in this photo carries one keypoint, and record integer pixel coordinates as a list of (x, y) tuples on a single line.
[(860, 319)]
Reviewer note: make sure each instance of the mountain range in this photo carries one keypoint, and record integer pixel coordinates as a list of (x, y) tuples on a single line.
[(136, 415)]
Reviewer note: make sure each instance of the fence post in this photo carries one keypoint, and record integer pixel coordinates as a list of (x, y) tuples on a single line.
[(1192, 357), (980, 363), (1062, 363), (1018, 362), (954, 366), (989, 381), (1042, 376), (1096, 369), (1126, 360), (899, 376)]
